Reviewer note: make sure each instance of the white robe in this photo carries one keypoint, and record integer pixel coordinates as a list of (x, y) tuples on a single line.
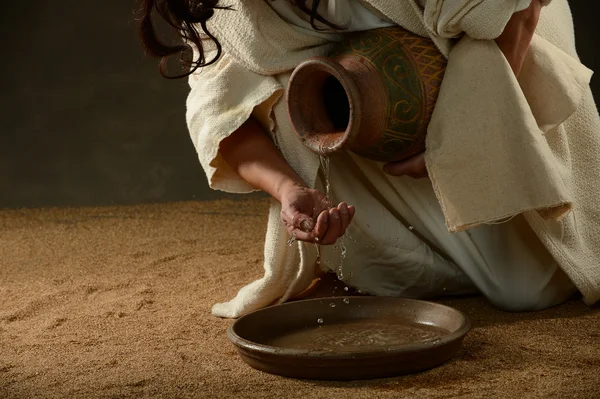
[(251, 76)]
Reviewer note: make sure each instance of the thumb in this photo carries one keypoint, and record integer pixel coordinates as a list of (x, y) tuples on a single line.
[(303, 223), (296, 220)]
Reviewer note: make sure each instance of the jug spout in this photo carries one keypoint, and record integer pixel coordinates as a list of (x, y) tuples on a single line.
[(374, 96), (324, 105)]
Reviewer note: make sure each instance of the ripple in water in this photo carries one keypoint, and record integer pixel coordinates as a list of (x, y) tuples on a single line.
[(358, 336)]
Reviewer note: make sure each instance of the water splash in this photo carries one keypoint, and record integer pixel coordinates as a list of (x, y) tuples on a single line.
[(292, 240), (342, 249), (324, 160), (340, 269), (318, 247), (348, 236)]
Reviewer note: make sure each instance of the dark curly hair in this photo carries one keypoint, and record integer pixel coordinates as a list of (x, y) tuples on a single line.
[(186, 17)]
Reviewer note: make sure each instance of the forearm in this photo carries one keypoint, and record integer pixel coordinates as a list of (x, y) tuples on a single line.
[(515, 39), (254, 157)]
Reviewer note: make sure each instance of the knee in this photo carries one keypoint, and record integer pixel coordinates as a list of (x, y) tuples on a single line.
[(521, 299)]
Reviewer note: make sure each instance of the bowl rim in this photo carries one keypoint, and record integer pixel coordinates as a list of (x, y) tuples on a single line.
[(253, 347)]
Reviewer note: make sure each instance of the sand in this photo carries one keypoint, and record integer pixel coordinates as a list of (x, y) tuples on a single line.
[(115, 303)]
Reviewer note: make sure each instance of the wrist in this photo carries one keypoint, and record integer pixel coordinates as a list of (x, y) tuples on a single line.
[(286, 185)]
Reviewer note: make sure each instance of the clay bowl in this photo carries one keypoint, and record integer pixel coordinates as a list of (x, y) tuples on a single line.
[(349, 338)]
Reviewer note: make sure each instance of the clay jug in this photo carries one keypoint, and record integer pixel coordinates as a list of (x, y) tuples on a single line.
[(373, 96)]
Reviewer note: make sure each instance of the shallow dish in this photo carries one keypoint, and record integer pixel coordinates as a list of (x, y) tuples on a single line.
[(348, 338)]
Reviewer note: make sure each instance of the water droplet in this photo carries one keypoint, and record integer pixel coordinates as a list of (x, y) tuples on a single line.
[(359, 291), (349, 236), (320, 321), (346, 300), (291, 241), (345, 288), (411, 228), (340, 276), (332, 305)]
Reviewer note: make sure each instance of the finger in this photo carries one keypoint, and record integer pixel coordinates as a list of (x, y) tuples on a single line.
[(344, 217), (352, 211), (321, 227), (414, 167), (298, 225), (304, 223), (298, 234), (334, 229), (302, 236), (294, 220)]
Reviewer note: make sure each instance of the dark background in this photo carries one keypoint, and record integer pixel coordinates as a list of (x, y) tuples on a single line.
[(87, 120)]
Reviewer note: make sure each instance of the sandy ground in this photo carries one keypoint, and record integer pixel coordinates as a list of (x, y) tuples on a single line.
[(114, 303)]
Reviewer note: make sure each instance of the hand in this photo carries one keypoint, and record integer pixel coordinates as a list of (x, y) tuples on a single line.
[(308, 216), (515, 39), (413, 167)]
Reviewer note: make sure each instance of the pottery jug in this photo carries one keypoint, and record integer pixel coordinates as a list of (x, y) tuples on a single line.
[(373, 96)]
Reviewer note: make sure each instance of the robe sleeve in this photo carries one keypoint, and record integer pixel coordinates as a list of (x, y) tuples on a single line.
[(223, 96), (479, 19), (503, 124)]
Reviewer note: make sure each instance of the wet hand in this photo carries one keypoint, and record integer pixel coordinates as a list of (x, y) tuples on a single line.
[(414, 167), (308, 216)]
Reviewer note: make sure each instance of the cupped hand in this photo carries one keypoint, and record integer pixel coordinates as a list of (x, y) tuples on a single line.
[(414, 167), (308, 216)]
